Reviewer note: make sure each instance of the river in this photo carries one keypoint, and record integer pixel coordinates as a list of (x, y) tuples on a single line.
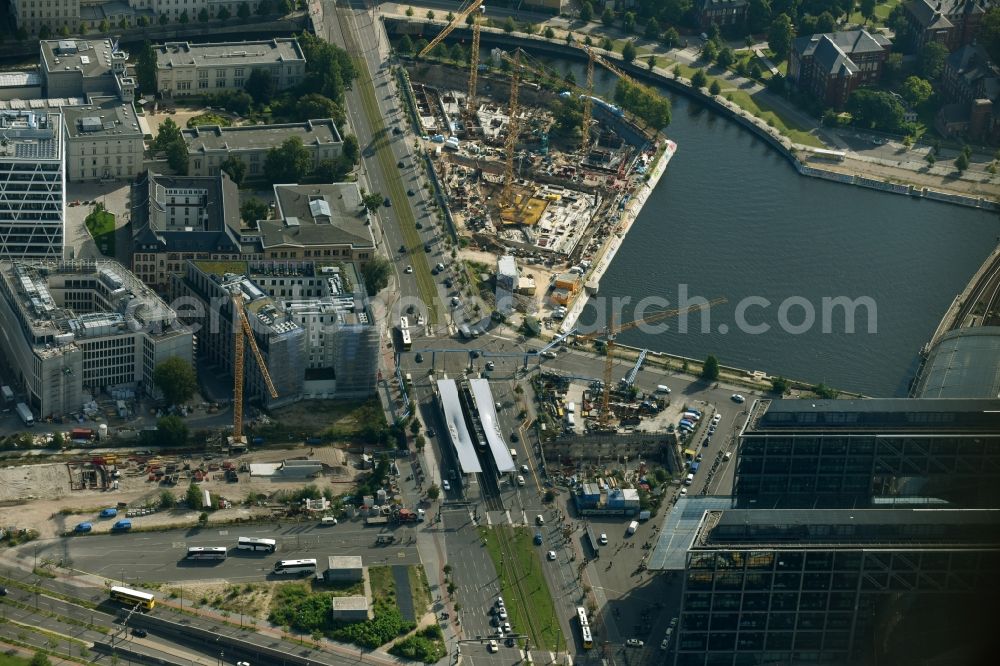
[(732, 219)]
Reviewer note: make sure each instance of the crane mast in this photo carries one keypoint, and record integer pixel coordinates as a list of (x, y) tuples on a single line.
[(243, 335), (610, 333), (587, 104), (474, 62), (507, 196)]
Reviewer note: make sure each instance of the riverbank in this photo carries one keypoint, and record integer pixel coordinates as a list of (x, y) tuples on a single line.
[(908, 177), (607, 254)]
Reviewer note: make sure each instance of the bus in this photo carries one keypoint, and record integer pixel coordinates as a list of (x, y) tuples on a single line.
[(142, 600), (588, 638), (407, 341), (255, 544), (207, 553), (404, 323), (294, 567)]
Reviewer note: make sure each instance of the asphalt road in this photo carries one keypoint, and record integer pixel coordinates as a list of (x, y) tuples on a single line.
[(159, 556)]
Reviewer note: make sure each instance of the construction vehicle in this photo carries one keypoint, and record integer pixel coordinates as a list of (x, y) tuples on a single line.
[(610, 333), (243, 334)]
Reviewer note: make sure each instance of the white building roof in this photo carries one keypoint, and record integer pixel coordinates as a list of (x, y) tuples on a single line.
[(491, 424), (458, 433)]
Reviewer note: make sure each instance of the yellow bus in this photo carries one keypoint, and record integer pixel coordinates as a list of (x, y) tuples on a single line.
[(144, 600)]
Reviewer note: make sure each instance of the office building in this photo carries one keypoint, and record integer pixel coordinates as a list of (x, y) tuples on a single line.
[(31, 15), (312, 322), (178, 218), (32, 201), (323, 222), (83, 327), (84, 67), (209, 145), (199, 69), (836, 586), (842, 452), (103, 141)]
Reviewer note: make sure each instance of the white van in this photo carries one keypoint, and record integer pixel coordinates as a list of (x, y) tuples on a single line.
[(570, 407), (632, 527), (663, 388), (513, 454), (689, 480), (539, 519)]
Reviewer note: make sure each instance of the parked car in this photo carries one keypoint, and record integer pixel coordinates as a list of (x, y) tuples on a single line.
[(736, 397), (634, 642), (492, 646), (490, 365), (603, 539), (139, 633), (552, 556), (445, 484)]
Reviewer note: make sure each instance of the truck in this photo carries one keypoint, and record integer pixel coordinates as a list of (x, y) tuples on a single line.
[(81, 434), (632, 527), (25, 413), (407, 516), (7, 393), (373, 521)]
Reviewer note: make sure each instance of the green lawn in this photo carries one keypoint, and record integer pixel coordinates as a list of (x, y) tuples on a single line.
[(762, 110), (523, 584), (101, 225), (8, 660), (209, 119)]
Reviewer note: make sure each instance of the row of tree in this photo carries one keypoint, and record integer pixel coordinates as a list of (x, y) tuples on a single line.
[(654, 109)]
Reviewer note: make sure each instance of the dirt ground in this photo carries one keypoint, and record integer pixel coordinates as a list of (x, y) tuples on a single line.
[(38, 496)]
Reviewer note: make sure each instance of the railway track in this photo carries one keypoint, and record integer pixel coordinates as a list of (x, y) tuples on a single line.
[(987, 295)]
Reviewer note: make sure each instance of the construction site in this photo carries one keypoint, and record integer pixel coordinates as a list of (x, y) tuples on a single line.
[(530, 164)]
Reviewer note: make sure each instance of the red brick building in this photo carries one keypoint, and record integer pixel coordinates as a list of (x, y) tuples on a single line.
[(830, 66), (954, 23)]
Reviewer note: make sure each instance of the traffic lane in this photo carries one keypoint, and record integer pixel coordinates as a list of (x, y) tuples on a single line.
[(473, 573), (160, 555)]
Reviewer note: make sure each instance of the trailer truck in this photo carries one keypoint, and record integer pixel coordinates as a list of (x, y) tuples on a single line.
[(25, 413)]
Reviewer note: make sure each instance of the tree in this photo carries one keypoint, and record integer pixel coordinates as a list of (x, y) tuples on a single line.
[(351, 149), (930, 60), (243, 11), (193, 496), (177, 157), (868, 9), (779, 36), (698, 79), (586, 11), (409, 11), (419, 442), (548, 34), (825, 22), (875, 109), (164, 19), (376, 273), (725, 58), (652, 28), (715, 88), (650, 106), (287, 163), (930, 158), (709, 51), (962, 162), (608, 17), (203, 16), (779, 385), (203, 519), (989, 33), (39, 659), (607, 44), (405, 45), (183, 18), (651, 62), (372, 201), (235, 168), (145, 68), (671, 38), (430, 14), (758, 15), (223, 14), (176, 380), (710, 369), (103, 26), (259, 85), (916, 90), (171, 431), (143, 21), (253, 209), (167, 499), (64, 31), (458, 53), (628, 22), (415, 427), (508, 25), (893, 66), (628, 51), (449, 17), (58, 441), (168, 133), (433, 492), (314, 105)]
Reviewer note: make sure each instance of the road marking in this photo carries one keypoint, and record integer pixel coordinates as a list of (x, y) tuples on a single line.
[(178, 544), (223, 532), (489, 521)]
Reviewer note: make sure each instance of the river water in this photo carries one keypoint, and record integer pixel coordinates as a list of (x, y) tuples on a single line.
[(732, 219)]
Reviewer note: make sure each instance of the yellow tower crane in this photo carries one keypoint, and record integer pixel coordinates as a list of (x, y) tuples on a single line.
[(241, 328), (610, 333), (463, 14), (588, 101), (510, 143)]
